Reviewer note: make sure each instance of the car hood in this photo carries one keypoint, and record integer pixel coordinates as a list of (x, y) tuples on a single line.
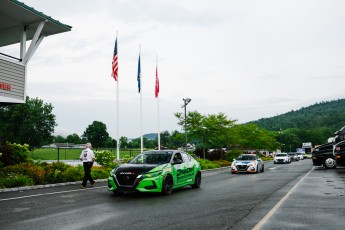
[(237, 162), (136, 169), (281, 157)]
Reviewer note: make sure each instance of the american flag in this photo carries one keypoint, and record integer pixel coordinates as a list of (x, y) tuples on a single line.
[(115, 64), (139, 74), (157, 84)]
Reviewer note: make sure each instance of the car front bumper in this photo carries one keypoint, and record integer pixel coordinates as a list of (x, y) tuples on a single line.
[(153, 184), (243, 169)]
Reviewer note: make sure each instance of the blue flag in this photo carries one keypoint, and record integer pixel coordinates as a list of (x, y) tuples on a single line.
[(139, 74)]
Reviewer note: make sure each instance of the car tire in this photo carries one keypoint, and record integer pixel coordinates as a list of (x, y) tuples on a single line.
[(257, 169), (167, 185), (197, 181), (329, 163), (274, 163), (263, 168)]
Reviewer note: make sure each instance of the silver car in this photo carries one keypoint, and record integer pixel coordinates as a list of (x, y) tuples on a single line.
[(293, 156), (282, 158), (250, 163)]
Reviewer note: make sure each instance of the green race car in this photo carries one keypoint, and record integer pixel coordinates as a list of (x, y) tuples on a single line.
[(156, 171)]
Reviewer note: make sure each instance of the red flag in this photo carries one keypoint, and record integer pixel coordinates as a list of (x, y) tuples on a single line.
[(115, 67), (157, 84)]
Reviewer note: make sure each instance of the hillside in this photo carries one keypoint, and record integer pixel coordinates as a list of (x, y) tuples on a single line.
[(320, 115), (151, 136)]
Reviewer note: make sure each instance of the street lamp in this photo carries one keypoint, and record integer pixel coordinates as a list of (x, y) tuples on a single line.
[(186, 102)]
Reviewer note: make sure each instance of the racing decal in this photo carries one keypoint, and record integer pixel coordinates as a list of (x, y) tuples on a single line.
[(185, 173)]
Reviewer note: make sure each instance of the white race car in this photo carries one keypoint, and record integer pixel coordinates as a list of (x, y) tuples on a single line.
[(282, 158), (250, 163)]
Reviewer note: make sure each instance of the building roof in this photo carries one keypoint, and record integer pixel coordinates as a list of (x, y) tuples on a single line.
[(14, 15)]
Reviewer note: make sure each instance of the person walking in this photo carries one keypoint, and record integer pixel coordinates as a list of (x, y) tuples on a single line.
[(88, 157)]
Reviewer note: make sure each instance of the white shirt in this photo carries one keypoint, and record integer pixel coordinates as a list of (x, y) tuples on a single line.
[(87, 155)]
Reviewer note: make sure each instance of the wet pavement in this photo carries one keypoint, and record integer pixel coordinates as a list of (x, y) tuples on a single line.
[(317, 201)]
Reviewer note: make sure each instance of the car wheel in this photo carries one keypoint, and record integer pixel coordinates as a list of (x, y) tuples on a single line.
[(197, 180), (257, 169), (329, 163), (167, 185), (263, 168), (274, 163)]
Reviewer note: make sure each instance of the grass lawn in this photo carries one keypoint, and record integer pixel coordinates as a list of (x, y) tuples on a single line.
[(71, 153)]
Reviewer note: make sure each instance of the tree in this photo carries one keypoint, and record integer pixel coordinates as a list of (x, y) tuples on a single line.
[(123, 142), (110, 143), (251, 136), (210, 130), (165, 138), (73, 138), (59, 139), (31, 123), (97, 134), (177, 139)]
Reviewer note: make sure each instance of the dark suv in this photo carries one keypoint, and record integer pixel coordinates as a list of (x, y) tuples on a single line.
[(339, 147), (326, 154), (323, 155)]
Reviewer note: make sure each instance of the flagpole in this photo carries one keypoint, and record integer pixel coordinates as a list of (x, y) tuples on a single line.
[(141, 109), (159, 133), (117, 117)]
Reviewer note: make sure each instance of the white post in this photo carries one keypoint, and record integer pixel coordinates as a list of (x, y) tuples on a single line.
[(141, 99), (117, 108), (159, 132), (117, 112)]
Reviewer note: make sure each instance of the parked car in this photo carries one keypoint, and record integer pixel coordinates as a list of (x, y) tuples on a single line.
[(250, 163), (156, 171), (293, 156), (281, 158), (323, 155), (300, 155)]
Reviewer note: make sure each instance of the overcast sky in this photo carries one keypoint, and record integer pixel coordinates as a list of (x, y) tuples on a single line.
[(247, 59)]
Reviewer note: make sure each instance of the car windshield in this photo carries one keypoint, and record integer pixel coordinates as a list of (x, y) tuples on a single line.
[(152, 158), (246, 158), (281, 155)]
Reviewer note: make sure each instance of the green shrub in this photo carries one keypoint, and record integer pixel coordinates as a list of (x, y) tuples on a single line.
[(233, 154), (99, 173), (125, 159), (26, 169), (74, 174), (15, 180), (104, 157), (55, 172), (12, 154), (222, 163), (207, 164)]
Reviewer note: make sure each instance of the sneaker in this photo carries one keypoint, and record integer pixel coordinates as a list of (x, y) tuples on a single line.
[(82, 187), (93, 184)]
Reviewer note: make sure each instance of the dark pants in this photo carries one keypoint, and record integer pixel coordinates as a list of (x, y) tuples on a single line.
[(87, 173)]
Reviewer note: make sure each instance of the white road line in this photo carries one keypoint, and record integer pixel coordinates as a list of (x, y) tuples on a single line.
[(275, 208), (51, 193)]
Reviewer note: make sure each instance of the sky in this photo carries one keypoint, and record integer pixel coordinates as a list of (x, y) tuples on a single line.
[(247, 59)]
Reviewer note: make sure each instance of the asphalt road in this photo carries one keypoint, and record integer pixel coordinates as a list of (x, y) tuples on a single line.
[(292, 196)]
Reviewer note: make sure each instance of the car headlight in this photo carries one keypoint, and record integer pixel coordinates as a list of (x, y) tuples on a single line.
[(153, 174)]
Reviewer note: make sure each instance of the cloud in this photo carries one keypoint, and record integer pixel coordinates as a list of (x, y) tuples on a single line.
[(247, 59)]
